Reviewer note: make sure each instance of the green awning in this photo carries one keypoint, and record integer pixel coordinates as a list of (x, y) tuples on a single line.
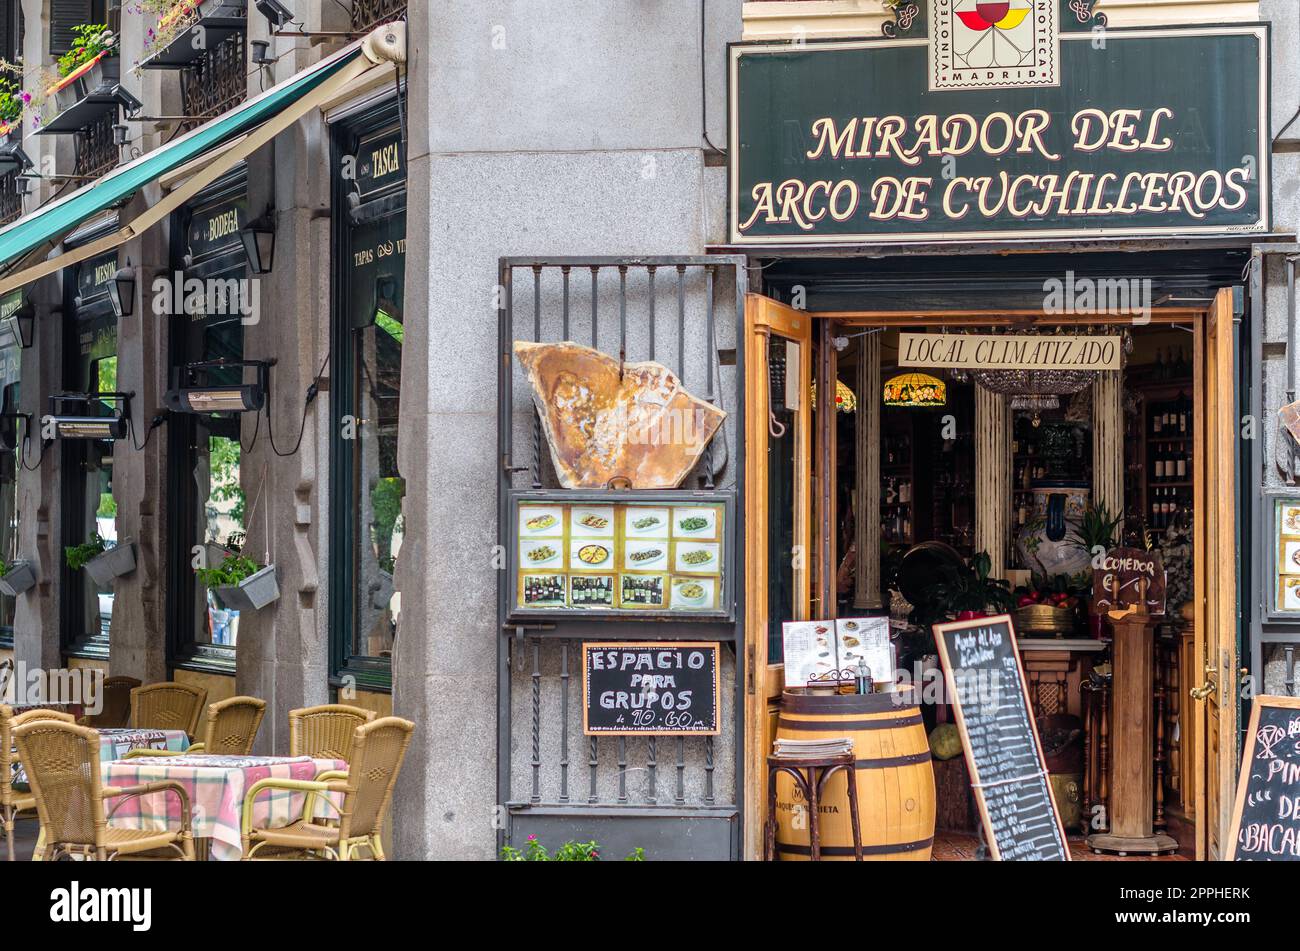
[(258, 121)]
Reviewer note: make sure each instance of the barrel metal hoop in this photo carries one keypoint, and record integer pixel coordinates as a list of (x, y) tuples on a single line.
[(850, 726), (892, 761), (790, 849)]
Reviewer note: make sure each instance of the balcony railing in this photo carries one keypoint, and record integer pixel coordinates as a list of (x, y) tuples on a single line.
[(97, 153), (216, 82), (11, 199), (368, 14)]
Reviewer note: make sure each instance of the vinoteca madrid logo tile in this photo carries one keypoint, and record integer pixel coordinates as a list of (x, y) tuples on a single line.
[(993, 44)]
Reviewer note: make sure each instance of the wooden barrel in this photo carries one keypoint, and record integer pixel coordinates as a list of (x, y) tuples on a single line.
[(894, 777)]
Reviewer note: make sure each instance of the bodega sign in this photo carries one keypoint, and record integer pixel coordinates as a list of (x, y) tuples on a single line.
[(1155, 131), (1009, 352)]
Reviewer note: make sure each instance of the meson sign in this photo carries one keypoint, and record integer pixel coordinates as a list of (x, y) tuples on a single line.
[(1153, 132)]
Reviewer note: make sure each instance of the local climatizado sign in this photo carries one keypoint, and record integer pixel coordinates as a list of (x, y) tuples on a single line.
[(1009, 352), (1134, 132)]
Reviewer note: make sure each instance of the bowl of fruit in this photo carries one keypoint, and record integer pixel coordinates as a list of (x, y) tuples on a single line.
[(1045, 612)]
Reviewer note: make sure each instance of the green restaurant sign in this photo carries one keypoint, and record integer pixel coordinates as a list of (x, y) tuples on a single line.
[(1096, 132)]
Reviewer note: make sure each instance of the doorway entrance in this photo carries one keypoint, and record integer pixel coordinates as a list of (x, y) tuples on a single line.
[(842, 490)]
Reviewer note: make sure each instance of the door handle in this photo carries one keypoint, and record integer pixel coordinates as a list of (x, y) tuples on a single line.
[(1204, 690)]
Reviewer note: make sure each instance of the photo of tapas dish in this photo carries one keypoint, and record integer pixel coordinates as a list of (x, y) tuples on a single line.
[(593, 554), (698, 558), (535, 520), (543, 554), (695, 522), (644, 522), (692, 593), (1291, 519), (1291, 594), (645, 556), (591, 521)]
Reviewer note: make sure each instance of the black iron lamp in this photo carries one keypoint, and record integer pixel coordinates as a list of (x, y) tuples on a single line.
[(19, 328), (121, 133), (121, 291), (259, 243), (204, 399), (14, 159), (276, 13), (261, 53)]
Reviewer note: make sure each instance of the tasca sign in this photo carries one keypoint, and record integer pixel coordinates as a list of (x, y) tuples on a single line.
[(1009, 352), (1145, 132)]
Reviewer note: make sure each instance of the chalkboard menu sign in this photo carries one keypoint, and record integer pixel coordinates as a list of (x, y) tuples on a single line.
[(1266, 816), (658, 689), (987, 688)]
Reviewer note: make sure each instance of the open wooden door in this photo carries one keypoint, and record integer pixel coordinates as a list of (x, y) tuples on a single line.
[(778, 523), (1215, 556)]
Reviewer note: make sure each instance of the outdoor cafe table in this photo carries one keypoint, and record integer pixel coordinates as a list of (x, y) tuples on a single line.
[(216, 786), (116, 743)]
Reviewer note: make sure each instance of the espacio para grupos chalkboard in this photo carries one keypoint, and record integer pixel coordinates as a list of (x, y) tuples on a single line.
[(667, 688)]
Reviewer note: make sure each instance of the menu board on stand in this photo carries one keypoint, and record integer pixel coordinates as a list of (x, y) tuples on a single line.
[(986, 684), (1266, 814)]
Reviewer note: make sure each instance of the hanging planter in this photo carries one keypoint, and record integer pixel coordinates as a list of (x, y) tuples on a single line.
[(239, 583), (174, 41), (112, 563), (17, 578), (88, 84)]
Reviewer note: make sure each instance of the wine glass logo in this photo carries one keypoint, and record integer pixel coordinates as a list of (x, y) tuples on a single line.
[(995, 43)]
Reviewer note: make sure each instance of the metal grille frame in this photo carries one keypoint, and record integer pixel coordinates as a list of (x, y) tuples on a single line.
[(550, 775)]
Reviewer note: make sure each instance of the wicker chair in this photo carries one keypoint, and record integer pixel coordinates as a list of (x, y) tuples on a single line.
[(231, 729), (14, 801), (168, 706), (377, 751), (326, 732), (62, 763), (115, 704)]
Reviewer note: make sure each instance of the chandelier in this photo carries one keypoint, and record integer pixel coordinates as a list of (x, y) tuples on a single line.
[(1037, 391), (915, 389)]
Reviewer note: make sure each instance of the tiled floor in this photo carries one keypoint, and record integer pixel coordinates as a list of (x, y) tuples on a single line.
[(956, 847)]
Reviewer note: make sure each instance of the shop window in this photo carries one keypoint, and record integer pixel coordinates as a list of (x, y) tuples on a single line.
[(10, 466), (89, 508), (209, 504), (367, 490)]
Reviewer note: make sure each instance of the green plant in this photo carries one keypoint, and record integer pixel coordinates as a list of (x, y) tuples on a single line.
[(4, 567), (570, 851), (230, 572), (77, 555), (971, 589), (90, 39), (1098, 528), (11, 102)]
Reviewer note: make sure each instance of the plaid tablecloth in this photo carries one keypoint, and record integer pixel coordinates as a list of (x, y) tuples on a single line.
[(216, 786), (115, 743)]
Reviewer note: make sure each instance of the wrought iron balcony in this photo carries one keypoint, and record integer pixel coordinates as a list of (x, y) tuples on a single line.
[(368, 14), (216, 82)]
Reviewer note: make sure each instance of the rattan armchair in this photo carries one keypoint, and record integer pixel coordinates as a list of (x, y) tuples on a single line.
[(378, 749), (62, 763), (168, 706), (231, 730), (114, 704), (14, 801), (326, 732)]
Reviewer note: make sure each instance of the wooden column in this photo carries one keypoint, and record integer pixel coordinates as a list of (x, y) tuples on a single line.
[(993, 478), (1132, 793), (866, 581), (1108, 442)]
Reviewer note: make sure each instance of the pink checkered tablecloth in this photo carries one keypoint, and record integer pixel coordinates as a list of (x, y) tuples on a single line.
[(216, 786)]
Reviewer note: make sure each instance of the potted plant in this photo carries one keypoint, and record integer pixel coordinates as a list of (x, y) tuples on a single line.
[(170, 41), (101, 562), (970, 592), (571, 851), (92, 64), (240, 583), (11, 109), (17, 577), (1097, 529)]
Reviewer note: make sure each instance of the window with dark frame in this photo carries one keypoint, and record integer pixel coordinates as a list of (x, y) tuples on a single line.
[(208, 506), (88, 506), (10, 462), (367, 490)]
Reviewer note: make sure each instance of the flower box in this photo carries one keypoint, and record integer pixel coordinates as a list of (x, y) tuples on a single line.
[(253, 593), (20, 577), (84, 95), (175, 43), (113, 563)]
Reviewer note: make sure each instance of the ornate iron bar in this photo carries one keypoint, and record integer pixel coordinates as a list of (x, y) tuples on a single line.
[(368, 14), (97, 153), (216, 82), (11, 199)]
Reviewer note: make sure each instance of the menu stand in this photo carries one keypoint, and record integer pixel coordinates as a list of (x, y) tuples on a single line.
[(1131, 815)]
